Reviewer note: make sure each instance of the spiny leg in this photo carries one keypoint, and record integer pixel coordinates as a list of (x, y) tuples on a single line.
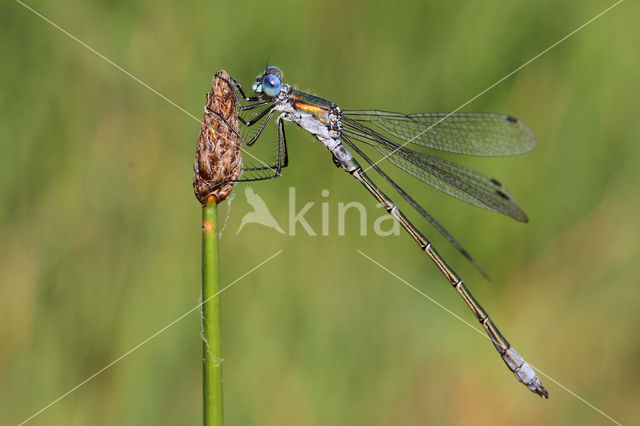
[(249, 123), (282, 143), (235, 85), (281, 162), (283, 156), (259, 102)]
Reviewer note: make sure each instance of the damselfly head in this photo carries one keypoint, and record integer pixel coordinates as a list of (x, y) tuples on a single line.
[(269, 82)]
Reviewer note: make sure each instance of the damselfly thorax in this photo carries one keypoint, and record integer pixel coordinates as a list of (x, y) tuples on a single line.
[(319, 117)]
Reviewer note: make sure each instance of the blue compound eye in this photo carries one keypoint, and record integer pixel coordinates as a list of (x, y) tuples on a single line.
[(271, 85)]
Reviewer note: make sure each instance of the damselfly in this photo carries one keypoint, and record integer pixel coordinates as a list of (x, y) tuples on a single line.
[(346, 131)]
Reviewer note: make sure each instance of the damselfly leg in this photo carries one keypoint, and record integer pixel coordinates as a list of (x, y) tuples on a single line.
[(263, 117)]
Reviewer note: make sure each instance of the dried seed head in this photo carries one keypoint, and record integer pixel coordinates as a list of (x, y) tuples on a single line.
[(219, 152)]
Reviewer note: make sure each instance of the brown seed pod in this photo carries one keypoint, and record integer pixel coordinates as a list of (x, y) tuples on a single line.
[(219, 152)]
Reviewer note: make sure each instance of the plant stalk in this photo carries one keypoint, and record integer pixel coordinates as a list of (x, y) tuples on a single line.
[(211, 317)]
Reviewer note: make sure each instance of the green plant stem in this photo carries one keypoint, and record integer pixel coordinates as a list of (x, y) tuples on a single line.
[(212, 347)]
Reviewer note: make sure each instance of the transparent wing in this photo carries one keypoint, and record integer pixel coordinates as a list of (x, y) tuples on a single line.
[(461, 133), (458, 181)]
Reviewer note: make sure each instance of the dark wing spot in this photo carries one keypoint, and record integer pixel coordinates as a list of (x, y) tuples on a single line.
[(495, 182), (503, 195), (512, 119)]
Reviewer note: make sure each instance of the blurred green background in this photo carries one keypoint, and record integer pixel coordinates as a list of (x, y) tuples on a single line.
[(101, 231)]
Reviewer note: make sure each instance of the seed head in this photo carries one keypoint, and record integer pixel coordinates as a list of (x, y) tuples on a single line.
[(219, 153)]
